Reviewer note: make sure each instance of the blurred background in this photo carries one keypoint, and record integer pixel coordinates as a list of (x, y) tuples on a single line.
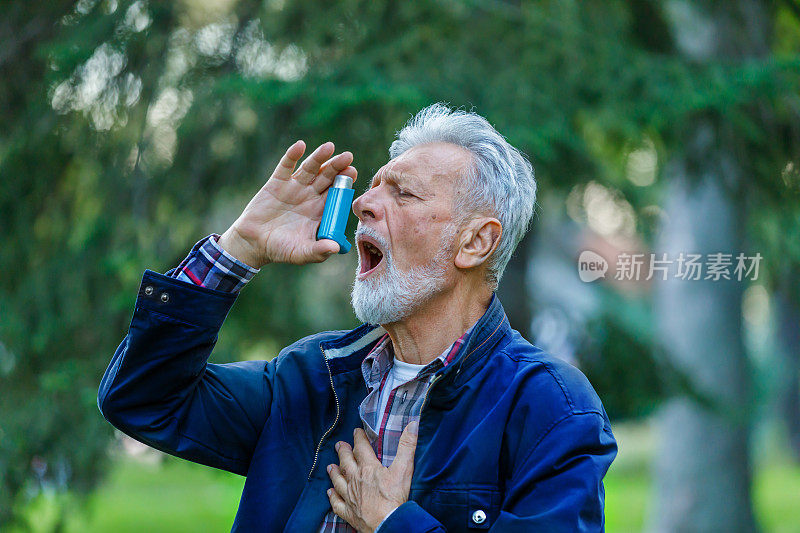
[(131, 129)]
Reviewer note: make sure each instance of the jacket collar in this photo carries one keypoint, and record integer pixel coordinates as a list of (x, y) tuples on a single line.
[(488, 331), (345, 353)]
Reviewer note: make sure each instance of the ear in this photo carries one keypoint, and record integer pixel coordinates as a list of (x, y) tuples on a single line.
[(477, 242)]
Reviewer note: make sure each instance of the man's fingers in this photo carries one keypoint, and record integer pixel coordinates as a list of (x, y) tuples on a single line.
[(332, 167), (321, 185), (362, 449), (347, 463), (338, 480), (310, 167), (404, 460), (323, 249), (338, 505), (350, 171), (289, 160)]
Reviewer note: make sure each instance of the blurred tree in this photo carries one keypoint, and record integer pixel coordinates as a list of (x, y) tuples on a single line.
[(702, 469), (787, 360), (702, 474), (778, 233), (45, 382)]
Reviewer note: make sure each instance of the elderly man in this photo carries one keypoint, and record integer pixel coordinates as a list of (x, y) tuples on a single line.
[(434, 415)]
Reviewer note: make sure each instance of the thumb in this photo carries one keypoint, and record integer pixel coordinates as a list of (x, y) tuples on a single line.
[(406, 447), (324, 248)]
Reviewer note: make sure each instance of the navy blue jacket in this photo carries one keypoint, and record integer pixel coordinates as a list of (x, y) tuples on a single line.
[(510, 439)]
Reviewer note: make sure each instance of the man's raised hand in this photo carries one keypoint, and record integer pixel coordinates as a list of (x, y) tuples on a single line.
[(279, 224)]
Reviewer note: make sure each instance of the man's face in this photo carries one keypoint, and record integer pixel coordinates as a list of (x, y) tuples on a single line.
[(405, 232)]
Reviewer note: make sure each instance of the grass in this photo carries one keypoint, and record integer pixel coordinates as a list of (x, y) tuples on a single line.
[(169, 496), (176, 496), (627, 495), (776, 497), (776, 484)]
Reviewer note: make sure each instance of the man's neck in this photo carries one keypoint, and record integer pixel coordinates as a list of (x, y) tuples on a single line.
[(423, 336)]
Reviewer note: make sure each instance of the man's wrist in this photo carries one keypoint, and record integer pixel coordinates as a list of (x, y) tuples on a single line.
[(239, 248), (378, 528), (209, 265)]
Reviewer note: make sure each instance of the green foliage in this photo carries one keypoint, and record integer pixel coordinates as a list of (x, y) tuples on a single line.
[(619, 361)]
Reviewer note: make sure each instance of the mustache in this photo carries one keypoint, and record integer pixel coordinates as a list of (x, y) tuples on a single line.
[(369, 232)]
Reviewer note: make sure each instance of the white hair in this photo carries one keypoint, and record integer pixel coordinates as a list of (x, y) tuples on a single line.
[(500, 182)]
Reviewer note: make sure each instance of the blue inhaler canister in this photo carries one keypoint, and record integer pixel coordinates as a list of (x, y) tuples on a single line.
[(337, 209)]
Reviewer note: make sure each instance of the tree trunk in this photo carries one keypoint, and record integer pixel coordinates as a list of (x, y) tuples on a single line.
[(787, 360), (702, 468), (702, 477)]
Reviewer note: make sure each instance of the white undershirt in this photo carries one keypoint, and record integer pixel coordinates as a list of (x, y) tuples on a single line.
[(400, 373)]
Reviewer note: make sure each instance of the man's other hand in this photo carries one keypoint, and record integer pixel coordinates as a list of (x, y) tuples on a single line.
[(280, 223), (364, 491)]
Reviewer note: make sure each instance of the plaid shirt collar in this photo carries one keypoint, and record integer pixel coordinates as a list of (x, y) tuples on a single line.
[(380, 359)]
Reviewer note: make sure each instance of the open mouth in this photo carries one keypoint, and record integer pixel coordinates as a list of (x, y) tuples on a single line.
[(371, 256)]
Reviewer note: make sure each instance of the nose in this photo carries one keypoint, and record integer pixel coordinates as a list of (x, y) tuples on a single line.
[(366, 206)]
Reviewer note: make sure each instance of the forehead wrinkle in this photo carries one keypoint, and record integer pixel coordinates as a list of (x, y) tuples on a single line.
[(431, 165), (409, 179)]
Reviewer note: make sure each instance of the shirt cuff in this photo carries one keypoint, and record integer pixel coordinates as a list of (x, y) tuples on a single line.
[(378, 529), (209, 266)]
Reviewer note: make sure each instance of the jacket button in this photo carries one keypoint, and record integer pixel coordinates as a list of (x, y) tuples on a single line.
[(164, 297), (479, 517), (148, 290)]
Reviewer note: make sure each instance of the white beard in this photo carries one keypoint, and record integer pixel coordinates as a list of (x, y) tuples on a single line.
[(392, 295)]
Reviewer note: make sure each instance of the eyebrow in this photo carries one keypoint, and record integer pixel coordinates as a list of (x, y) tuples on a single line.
[(403, 180)]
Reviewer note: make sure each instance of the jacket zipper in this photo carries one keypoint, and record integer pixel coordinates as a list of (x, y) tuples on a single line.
[(435, 378), (425, 399), (335, 421)]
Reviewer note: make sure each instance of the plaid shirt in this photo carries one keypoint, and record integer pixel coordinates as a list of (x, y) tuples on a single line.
[(210, 266)]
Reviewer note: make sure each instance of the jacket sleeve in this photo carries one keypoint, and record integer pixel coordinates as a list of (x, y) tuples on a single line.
[(556, 487), (160, 389)]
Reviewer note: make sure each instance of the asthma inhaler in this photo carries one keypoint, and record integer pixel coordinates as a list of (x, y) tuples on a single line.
[(337, 209)]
